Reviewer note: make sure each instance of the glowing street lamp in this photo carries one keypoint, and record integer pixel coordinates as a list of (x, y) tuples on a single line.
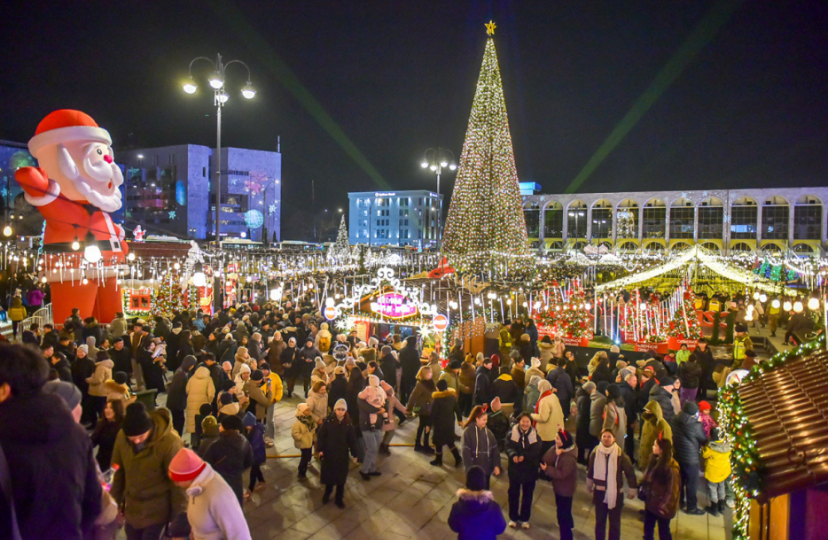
[(436, 160)]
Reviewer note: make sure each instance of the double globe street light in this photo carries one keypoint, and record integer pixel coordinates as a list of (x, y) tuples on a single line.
[(220, 97), (437, 159)]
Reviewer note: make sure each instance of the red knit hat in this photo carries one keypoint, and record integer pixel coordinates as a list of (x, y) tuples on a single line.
[(186, 466), (704, 406), (66, 125)]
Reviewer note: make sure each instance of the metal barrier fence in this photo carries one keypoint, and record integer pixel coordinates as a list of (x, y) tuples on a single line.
[(41, 316)]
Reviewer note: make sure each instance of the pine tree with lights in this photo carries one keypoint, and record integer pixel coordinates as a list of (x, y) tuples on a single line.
[(485, 226), (168, 295), (341, 250)]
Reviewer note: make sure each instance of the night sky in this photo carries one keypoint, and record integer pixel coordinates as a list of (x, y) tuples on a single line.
[(358, 90)]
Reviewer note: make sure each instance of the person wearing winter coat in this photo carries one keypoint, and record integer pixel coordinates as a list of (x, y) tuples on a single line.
[(690, 373), (260, 394), (615, 416), (389, 365), (106, 431), (200, 390), (231, 454), (177, 392), (443, 412), (241, 358), (318, 402), (654, 427), (467, 379), (586, 442), (482, 383), (498, 423), (523, 448), (422, 399), (607, 468), (118, 326), (121, 357), (81, 369), (704, 358), (548, 415), (561, 467), (531, 393), (144, 449), (717, 471), (16, 313), (254, 432), (324, 339), (480, 445), (152, 359), (97, 382), (688, 438), (305, 362), (504, 387), (535, 370), (546, 349), (410, 362), (562, 384), (212, 511), (660, 484), (662, 392), (476, 515), (274, 355), (388, 428), (339, 385), (335, 438), (254, 347), (304, 433)]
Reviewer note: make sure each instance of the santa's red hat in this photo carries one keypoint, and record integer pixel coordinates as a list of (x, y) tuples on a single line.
[(67, 125), (186, 466)]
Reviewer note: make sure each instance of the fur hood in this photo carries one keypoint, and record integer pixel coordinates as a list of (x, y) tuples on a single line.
[(448, 392), (482, 497), (114, 388)]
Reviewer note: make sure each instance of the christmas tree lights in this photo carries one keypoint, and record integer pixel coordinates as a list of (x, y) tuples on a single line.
[(485, 226), (341, 250)]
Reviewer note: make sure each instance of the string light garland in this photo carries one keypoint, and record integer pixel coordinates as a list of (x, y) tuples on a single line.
[(485, 227)]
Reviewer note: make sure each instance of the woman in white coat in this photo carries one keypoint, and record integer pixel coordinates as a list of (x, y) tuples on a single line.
[(548, 415), (200, 390)]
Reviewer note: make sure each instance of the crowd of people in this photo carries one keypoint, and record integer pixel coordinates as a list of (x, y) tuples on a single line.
[(181, 467)]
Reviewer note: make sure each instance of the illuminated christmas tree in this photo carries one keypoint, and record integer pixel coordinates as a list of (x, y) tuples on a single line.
[(340, 252), (685, 319), (485, 227)]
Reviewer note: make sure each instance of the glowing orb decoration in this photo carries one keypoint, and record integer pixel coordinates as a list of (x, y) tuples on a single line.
[(253, 219)]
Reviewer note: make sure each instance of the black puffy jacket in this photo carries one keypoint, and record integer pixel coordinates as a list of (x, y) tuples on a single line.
[(689, 374), (665, 399), (688, 438)]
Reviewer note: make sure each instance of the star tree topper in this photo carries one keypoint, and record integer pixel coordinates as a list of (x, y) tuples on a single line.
[(490, 28)]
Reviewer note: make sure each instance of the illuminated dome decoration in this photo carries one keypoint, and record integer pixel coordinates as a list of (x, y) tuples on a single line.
[(485, 227), (253, 219)]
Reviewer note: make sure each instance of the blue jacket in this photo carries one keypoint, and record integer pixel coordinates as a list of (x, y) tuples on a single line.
[(476, 516), (562, 383)]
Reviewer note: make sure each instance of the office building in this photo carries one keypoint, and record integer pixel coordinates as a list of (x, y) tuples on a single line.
[(168, 191), (397, 218), (779, 220)]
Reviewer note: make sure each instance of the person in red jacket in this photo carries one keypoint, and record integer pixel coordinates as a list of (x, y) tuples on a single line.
[(75, 187)]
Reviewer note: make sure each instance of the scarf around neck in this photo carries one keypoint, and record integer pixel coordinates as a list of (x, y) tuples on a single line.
[(606, 469)]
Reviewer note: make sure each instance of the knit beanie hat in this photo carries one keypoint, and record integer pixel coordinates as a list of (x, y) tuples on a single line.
[(350, 362), (704, 406), (227, 385), (226, 398), (84, 348), (302, 407), (244, 369), (248, 420), (341, 404), (186, 466), (602, 386), (67, 391), (442, 385), (136, 420), (320, 364), (119, 377), (566, 439), (231, 422), (589, 386), (264, 366), (613, 392), (257, 375), (623, 373), (667, 381), (475, 479), (373, 380), (210, 426), (690, 408)]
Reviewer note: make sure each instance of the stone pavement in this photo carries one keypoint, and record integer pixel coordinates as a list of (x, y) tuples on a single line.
[(412, 499)]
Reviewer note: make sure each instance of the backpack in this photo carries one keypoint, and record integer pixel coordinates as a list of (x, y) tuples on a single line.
[(324, 344)]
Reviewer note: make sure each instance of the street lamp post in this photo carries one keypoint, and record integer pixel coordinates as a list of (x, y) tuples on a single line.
[(436, 160), (220, 97)]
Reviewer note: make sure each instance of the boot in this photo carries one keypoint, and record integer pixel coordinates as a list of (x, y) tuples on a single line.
[(721, 507), (457, 459), (426, 448), (383, 449), (438, 460), (418, 447), (713, 509)]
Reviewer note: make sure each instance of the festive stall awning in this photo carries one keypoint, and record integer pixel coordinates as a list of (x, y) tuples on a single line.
[(787, 409), (699, 256)]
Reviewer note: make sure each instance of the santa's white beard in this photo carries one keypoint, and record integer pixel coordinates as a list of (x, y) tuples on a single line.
[(109, 201)]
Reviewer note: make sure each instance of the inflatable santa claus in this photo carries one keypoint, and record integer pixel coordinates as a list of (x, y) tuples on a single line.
[(75, 187)]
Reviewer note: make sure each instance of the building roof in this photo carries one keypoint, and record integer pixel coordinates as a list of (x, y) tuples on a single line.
[(787, 408)]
